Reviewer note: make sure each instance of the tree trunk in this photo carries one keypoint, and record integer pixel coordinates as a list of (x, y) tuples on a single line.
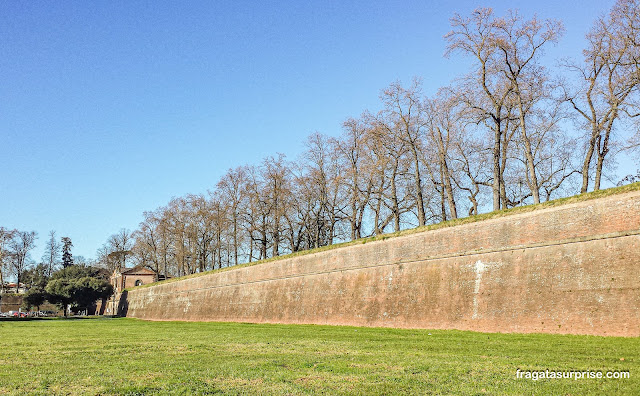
[(394, 201), (235, 237), (353, 218), (587, 161), (603, 150), (418, 183), (446, 177), (497, 174), (528, 153)]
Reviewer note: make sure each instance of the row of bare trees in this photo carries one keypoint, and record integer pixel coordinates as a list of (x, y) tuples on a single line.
[(499, 137), (519, 103)]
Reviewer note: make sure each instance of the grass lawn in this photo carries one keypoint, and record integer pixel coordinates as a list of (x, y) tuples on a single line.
[(134, 357)]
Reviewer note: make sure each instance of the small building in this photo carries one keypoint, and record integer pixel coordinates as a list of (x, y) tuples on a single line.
[(13, 288), (131, 277), (125, 278)]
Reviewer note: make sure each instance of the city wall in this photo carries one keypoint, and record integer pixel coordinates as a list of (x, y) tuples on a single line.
[(13, 302), (573, 268)]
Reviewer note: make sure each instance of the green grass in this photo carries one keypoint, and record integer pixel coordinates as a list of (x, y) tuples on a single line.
[(450, 223), (133, 357)]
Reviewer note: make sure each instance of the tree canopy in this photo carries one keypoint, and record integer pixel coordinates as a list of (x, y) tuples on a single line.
[(78, 287)]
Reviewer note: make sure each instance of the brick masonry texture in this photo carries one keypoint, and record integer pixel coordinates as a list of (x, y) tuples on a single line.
[(568, 269)]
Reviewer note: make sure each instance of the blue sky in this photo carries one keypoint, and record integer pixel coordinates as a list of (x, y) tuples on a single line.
[(108, 109)]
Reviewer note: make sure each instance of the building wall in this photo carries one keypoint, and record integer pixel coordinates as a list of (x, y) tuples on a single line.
[(124, 281), (130, 279), (13, 302), (566, 269)]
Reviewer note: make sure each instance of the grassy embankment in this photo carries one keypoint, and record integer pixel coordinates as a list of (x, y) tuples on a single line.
[(444, 224), (133, 357)]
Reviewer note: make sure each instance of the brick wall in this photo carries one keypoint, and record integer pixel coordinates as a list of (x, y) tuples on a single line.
[(13, 302), (130, 280), (567, 269)]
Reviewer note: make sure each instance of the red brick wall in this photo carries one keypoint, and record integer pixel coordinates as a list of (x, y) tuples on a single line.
[(13, 302), (130, 280), (568, 269)]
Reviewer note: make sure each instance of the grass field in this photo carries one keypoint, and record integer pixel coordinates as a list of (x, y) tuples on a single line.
[(133, 357)]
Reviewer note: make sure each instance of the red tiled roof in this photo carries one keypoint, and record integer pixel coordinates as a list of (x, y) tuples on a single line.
[(137, 271)]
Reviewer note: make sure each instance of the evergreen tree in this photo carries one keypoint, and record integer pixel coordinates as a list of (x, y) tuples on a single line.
[(67, 258), (78, 287)]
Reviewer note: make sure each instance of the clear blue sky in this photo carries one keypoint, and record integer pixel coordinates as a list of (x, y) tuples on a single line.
[(108, 109)]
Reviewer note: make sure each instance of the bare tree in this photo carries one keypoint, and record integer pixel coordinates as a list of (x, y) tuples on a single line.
[(443, 125), (152, 242), (486, 92), (51, 255), (403, 118), (388, 160), (359, 184), (119, 247), (232, 189), (19, 247), (521, 43), (324, 190), (511, 84), (469, 156), (275, 173), (609, 77), (257, 214), (6, 237)]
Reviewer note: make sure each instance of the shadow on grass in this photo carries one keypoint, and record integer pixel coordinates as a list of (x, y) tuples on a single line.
[(96, 317)]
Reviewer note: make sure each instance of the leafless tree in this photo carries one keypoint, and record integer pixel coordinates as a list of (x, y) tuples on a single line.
[(51, 255), (232, 189), (325, 188), (388, 161), (485, 92), (152, 242), (403, 119), (19, 247), (520, 44), (6, 237), (118, 249), (609, 78), (511, 86), (358, 182), (257, 214), (443, 132), (275, 174)]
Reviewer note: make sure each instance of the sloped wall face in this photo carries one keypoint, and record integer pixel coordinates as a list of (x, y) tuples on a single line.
[(570, 269)]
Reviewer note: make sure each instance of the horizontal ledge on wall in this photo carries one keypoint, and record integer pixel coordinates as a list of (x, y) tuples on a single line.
[(567, 241)]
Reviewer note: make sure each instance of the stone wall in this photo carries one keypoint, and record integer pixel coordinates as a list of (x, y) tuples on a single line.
[(567, 269), (10, 302), (13, 302)]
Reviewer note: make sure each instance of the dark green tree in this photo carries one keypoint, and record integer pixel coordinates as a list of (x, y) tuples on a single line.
[(78, 287), (36, 277), (35, 280), (35, 297), (67, 258)]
